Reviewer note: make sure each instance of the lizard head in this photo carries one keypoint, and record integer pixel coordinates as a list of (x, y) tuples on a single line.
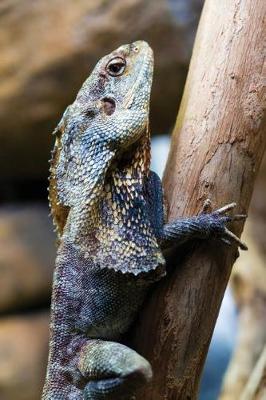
[(110, 114), (121, 80)]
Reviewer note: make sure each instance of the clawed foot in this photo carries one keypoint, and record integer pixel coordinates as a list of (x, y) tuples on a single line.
[(219, 221)]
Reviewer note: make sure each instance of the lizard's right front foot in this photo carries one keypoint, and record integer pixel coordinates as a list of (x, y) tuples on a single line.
[(113, 371), (216, 223)]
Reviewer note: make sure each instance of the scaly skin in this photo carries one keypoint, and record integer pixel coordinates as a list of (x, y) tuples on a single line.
[(108, 209)]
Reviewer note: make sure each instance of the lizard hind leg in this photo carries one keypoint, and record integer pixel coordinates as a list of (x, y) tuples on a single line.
[(113, 371)]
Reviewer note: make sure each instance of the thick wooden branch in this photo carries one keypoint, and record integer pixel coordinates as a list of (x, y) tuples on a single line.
[(216, 150), (248, 282)]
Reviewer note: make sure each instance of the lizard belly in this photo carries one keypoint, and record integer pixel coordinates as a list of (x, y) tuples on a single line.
[(111, 301), (98, 302)]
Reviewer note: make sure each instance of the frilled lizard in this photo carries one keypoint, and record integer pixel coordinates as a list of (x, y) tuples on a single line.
[(108, 209)]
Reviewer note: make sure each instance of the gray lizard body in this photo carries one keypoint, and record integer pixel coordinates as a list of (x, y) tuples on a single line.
[(108, 209)]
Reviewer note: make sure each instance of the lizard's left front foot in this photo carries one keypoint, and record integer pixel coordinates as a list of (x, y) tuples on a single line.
[(216, 224)]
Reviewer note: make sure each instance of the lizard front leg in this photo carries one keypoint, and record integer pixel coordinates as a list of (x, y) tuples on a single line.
[(203, 226)]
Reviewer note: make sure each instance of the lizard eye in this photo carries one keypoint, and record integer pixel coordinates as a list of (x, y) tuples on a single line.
[(116, 66)]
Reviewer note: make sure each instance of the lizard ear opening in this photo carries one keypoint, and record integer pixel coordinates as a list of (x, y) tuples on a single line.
[(108, 105)]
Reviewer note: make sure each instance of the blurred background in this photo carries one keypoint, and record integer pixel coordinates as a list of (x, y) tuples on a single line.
[(48, 48)]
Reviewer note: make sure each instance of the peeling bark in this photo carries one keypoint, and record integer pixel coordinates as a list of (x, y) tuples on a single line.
[(216, 150)]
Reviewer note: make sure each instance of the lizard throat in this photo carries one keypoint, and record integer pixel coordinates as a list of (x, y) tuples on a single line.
[(135, 161)]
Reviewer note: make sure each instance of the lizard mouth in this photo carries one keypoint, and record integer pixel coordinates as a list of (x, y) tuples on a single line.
[(109, 105), (145, 73)]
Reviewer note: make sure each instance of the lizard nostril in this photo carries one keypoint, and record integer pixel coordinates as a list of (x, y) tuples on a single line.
[(108, 105)]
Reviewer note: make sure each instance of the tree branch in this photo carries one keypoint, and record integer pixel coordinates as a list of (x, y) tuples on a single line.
[(216, 150)]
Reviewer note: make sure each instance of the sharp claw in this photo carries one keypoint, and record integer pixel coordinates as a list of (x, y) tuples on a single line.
[(226, 241), (226, 208), (238, 217), (242, 245)]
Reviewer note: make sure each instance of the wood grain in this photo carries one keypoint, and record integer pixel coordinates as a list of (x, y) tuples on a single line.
[(217, 146)]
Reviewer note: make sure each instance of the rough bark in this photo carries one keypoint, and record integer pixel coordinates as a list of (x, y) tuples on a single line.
[(216, 150), (248, 282), (251, 339)]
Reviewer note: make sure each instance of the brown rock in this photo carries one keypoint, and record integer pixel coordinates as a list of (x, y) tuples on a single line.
[(49, 48), (27, 252), (23, 356)]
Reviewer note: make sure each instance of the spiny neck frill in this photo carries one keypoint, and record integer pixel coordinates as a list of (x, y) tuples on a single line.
[(124, 182), (125, 238)]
